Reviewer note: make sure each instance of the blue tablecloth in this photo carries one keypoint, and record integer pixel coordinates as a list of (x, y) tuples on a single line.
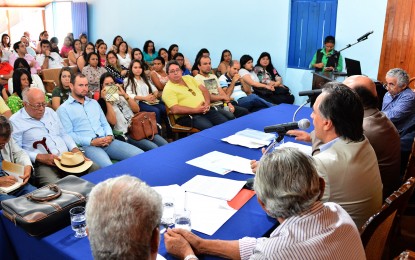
[(163, 166)]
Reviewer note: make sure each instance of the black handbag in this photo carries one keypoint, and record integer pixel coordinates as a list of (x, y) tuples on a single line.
[(46, 209)]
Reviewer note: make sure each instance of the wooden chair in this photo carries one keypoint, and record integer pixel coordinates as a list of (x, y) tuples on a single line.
[(410, 167), (176, 128), (51, 77), (411, 84), (377, 231)]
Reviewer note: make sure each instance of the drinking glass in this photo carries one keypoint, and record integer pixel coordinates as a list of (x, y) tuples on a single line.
[(182, 219), (168, 212), (78, 221)]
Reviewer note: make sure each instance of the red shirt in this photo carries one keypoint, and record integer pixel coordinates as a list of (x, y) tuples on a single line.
[(5, 69)]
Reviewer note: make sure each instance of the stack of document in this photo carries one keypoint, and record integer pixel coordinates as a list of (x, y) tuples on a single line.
[(207, 199), (307, 149), (222, 163), (250, 138)]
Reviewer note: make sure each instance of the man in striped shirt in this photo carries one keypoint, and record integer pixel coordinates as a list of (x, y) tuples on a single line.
[(289, 190)]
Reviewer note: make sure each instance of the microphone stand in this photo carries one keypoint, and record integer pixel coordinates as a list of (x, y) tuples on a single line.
[(349, 45), (298, 109)]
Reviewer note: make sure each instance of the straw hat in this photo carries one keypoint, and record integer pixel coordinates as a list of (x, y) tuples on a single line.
[(73, 162)]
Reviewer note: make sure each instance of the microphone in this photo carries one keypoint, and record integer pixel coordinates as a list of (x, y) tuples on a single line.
[(283, 128), (314, 92), (364, 37)]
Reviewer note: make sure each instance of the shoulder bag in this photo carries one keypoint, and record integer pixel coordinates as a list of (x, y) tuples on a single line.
[(143, 125)]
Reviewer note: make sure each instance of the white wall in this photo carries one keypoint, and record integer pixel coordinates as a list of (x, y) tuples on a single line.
[(243, 26)]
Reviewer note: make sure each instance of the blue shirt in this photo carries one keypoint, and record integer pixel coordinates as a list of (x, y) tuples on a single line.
[(400, 109), (27, 130), (84, 122), (148, 58)]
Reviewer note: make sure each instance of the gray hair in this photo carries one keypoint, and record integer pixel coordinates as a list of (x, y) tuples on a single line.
[(287, 182), (5, 127), (400, 74), (121, 214)]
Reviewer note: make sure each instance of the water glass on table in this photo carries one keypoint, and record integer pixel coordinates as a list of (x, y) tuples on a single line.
[(167, 220), (182, 219), (78, 221)]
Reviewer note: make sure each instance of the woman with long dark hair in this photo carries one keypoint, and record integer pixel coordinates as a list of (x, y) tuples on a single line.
[(119, 113), (225, 58), (149, 51), (61, 92)]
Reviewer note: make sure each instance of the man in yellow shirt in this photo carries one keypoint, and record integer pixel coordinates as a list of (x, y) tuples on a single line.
[(188, 100)]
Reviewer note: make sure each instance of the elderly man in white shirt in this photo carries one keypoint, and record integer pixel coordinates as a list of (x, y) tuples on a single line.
[(289, 190)]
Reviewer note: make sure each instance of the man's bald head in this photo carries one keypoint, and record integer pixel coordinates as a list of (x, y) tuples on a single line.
[(365, 88), (356, 81)]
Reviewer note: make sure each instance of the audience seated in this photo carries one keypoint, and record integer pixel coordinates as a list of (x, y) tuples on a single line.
[(267, 74), (4, 109), (42, 36), (231, 84), (81, 62), (202, 53), (123, 54), (54, 45), (158, 75), (5, 42), (117, 70), (120, 111), (173, 50), (225, 59), (218, 97), (181, 60), (20, 51), (47, 58), (137, 54), (93, 71), (164, 54), (35, 122), (188, 100), (29, 49), (118, 225), (139, 88), (62, 92), (21, 81), (84, 40), (11, 152), (21, 63), (117, 40), (83, 119), (149, 51), (75, 52), (102, 52), (66, 47), (399, 106), (289, 190), (346, 160), (6, 73)]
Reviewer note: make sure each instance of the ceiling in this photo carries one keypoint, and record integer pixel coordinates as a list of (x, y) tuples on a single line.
[(24, 3)]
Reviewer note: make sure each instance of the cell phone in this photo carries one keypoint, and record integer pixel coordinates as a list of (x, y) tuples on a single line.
[(111, 93)]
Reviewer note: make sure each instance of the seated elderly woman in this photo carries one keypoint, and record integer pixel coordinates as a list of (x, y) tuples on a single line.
[(289, 190), (11, 152)]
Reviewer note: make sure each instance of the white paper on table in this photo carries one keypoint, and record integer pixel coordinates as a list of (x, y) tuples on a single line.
[(173, 191), (222, 163), (303, 148), (250, 138), (209, 162), (215, 187), (208, 214)]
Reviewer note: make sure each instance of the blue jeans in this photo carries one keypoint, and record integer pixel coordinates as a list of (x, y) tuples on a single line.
[(145, 144), (203, 121), (117, 150), (254, 103), (27, 188)]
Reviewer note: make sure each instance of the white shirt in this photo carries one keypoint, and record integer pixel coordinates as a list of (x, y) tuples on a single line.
[(56, 63), (325, 231), (141, 88)]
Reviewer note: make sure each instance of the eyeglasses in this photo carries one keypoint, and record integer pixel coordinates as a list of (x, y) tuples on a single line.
[(37, 106), (191, 91), (174, 71)]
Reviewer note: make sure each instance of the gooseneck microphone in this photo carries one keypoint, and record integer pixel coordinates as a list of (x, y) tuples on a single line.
[(283, 128), (364, 37), (314, 92)]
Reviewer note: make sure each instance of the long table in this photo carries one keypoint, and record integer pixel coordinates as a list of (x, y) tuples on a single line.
[(163, 166)]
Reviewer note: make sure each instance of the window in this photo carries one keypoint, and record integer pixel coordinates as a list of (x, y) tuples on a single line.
[(311, 22)]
